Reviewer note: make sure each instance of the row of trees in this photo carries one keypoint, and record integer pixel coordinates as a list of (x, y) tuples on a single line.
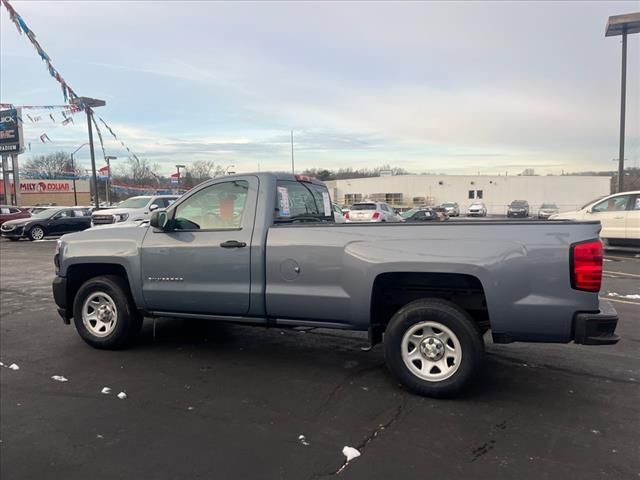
[(344, 173), (134, 171)]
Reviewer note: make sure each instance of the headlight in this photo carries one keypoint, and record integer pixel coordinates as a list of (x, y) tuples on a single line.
[(121, 217), (58, 246)]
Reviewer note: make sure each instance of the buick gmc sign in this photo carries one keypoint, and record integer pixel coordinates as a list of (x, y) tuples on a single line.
[(11, 139)]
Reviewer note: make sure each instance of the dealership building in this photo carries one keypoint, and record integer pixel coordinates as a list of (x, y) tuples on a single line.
[(59, 192), (496, 192)]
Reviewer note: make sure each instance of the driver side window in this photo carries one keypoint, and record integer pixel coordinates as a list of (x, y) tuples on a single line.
[(615, 204), (218, 207)]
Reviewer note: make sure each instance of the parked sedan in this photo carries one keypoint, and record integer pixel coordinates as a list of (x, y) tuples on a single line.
[(7, 212), (372, 212), (53, 221), (452, 209), (518, 208), (547, 209), (423, 215), (477, 209)]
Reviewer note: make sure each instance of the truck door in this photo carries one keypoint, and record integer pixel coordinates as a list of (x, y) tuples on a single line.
[(633, 219), (202, 263)]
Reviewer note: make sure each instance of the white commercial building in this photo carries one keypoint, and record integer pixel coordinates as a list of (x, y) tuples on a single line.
[(405, 191)]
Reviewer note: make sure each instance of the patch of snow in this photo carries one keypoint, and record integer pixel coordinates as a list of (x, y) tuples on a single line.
[(595, 432), (14, 366), (59, 378), (633, 296), (99, 436), (303, 440), (122, 395), (1, 364), (189, 408), (105, 390), (350, 453)]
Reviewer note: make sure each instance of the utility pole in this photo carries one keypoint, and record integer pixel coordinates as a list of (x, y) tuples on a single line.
[(178, 167), (293, 165), (108, 159), (87, 103), (622, 25)]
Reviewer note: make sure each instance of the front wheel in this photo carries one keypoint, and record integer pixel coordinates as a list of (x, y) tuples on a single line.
[(36, 233), (104, 313), (433, 347)]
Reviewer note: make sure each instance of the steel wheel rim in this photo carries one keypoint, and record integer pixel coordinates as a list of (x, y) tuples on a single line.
[(431, 351), (99, 314), (37, 233)]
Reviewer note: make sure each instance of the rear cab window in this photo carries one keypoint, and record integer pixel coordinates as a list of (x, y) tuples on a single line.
[(363, 206), (300, 201)]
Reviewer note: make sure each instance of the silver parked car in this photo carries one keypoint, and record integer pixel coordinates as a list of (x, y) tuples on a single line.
[(452, 209), (547, 209), (372, 212), (477, 209)]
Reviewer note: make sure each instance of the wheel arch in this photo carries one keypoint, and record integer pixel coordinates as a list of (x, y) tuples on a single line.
[(393, 290)]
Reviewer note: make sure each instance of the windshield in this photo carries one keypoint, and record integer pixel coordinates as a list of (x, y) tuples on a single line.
[(48, 213), (135, 202), (363, 206), (446, 205), (518, 203), (548, 205)]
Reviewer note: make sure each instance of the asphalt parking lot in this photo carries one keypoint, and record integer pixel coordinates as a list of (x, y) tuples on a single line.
[(207, 400)]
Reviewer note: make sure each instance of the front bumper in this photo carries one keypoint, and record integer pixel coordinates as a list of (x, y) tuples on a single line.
[(59, 287), (596, 328), (17, 232), (517, 214)]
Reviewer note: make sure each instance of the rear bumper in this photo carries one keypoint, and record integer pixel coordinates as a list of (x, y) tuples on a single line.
[(596, 328), (59, 287)]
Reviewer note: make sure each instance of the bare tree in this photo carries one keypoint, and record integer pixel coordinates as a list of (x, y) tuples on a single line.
[(200, 171), (51, 165), (138, 172)]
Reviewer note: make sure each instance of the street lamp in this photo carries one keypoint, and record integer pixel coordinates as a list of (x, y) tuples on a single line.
[(108, 159), (87, 103), (73, 167), (178, 167), (622, 25)]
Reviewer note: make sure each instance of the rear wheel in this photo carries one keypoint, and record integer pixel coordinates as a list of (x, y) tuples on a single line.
[(104, 313), (433, 347), (36, 233)]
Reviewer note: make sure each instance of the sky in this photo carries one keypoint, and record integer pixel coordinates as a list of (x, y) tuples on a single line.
[(440, 87)]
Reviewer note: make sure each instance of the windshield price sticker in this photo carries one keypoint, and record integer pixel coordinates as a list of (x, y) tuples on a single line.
[(327, 203), (284, 202)]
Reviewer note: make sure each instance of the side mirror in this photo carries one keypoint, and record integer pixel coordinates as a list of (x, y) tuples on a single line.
[(159, 219), (153, 207)]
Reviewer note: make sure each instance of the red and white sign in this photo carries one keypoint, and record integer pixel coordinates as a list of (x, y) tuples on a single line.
[(44, 187)]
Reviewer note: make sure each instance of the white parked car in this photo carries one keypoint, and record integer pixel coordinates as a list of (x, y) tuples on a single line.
[(477, 209), (619, 215), (134, 209), (372, 212)]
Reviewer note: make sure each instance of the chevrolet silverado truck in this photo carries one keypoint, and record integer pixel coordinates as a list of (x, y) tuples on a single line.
[(264, 249)]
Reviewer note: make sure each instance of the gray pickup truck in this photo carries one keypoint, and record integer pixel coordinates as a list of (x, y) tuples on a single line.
[(264, 249)]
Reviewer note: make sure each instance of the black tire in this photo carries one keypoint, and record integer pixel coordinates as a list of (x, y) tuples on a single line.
[(34, 233), (450, 316), (127, 320)]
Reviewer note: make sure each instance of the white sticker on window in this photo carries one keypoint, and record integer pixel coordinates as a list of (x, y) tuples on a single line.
[(284, 202), (327, 204)]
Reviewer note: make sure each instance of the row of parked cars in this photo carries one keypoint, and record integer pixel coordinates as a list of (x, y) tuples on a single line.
[(619, 215), (38, 222)]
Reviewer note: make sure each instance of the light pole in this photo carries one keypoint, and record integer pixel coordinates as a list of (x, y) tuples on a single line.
[(622, 25), (178, 167), (87, 103), (73, 167), (108, 159)]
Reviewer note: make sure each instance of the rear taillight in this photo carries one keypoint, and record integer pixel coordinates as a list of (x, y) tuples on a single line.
[(346, 215), (586, 266), (376, 215)]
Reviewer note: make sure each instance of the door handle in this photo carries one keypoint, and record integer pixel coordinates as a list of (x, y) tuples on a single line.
[(233, 244)]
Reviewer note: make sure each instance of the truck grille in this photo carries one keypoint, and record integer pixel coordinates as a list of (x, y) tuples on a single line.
[(102, 219)]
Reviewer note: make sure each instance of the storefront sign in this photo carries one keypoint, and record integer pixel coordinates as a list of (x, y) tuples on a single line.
[(11, 138)]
